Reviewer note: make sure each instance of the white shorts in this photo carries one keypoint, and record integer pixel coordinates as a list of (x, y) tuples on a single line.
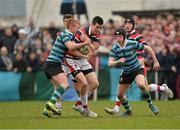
[(77, 64), (65, 69)]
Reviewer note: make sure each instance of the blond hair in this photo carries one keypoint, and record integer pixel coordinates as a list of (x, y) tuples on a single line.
[(71, 22)]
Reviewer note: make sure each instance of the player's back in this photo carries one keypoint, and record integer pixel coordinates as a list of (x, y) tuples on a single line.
[(59, 49)]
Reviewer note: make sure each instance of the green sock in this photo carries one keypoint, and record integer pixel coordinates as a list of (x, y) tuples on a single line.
[(57, 94), (126, 105), (148, 98)]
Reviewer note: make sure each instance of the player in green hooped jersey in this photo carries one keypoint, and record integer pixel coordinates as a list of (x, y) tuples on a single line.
[(53, 68)]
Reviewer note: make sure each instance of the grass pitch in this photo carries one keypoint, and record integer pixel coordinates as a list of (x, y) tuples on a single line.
[(29, 115)]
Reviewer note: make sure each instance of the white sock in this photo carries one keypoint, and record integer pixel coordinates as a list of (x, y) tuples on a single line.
[(84, 100), (155, 87), (116, 107)]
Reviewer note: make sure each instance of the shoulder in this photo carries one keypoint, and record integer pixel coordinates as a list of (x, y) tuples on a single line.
[(135, 35), (131, 42)]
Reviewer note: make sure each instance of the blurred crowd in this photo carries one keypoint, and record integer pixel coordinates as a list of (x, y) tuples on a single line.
[(26, 48)]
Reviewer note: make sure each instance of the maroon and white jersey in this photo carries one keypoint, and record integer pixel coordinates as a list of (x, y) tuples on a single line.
[(133, 35), (87, 31)]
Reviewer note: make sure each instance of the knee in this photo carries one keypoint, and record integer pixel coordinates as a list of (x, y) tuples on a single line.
[(84, 84), (142, 86), (94, 85)]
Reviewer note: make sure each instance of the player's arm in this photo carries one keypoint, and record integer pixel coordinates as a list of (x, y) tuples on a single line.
[(73, 46), (76, 53), (94, 46), (113, 63), (151, 52)]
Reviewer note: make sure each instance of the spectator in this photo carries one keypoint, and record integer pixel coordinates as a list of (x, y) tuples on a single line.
[(14, 29), (47, 38), (5, 60), (22, 39), (8, 40), (67, 7), (30, 30), (32, 62), (1, 32), (19, 64), (52, 30), (177, 68), (166, 61), (82, 9)]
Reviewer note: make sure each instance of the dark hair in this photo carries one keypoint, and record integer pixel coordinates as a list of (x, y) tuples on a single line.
[(98, 20), (67, 16), (130, 20), (120, 31)]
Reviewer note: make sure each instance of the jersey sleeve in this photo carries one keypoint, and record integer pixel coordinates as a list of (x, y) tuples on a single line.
[(95, 39), (140, 39), (77, 36), (65, 38), (112, 52), (139, 46)]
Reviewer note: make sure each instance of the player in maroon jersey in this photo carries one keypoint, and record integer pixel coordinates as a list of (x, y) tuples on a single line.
[(81, 69)]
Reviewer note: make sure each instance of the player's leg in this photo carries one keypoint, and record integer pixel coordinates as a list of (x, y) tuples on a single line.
[(93, 83), (164, 88), (92, 80), (155, 87), (140, 81), (80, 82), (77, 86), (117, 103), (122, 89), (66, 71), (61, 80), (55, 73), (81, 89), (58, 102), (49, 113), (90, 75), (124, 82)]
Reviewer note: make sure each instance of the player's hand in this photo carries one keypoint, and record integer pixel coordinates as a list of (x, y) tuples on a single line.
[(88, 41), (121, 61), (156, 65)]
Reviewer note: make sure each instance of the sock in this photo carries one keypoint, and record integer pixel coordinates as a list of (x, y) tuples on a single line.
[(57, 94), (78, 103), (148, 98), (84, 100), (154, 87), (117, 104), (126, 105)]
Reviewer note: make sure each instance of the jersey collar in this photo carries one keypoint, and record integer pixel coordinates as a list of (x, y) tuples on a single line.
[(124, 44), (69, 32)]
